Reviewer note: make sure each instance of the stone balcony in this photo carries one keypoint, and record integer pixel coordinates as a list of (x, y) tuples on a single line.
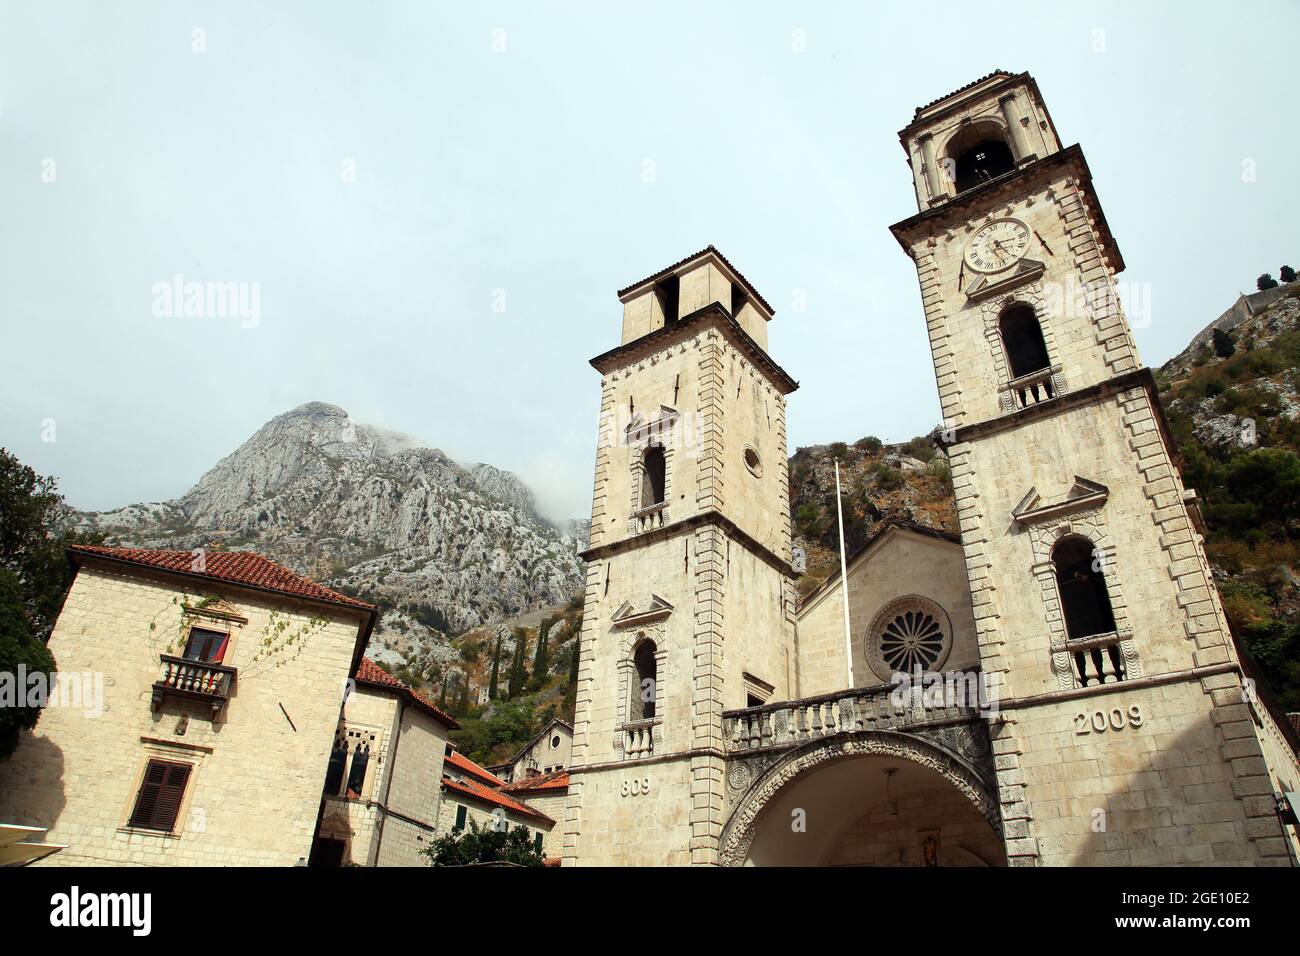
[(193, 680)]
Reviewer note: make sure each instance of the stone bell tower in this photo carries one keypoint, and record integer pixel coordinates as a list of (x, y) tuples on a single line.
[(1126, 733), (689, 598)]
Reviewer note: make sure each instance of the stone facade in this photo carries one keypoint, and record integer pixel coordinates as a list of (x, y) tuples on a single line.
[(1112, 725), (256, 767), (701, 576), (898, 563), (393, 816), (1164, 765)]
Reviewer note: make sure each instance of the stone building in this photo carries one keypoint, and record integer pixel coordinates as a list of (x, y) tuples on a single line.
[(547, 752), (469, 792), (546, 793), (194, 715), (1057, 686), (381, 785)]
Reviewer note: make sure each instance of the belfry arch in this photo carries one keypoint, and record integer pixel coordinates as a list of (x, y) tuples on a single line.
[(853, 789)]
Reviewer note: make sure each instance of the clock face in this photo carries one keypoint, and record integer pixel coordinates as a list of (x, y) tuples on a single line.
[(997, 245)]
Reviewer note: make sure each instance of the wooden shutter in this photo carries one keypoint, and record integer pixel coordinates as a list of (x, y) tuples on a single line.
[(159, 799)]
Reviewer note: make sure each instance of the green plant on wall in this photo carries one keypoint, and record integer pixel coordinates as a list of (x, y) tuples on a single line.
[(279, 639), (278, 643)]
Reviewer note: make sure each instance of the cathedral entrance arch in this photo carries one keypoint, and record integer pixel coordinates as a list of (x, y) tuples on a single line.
[(874, 798)]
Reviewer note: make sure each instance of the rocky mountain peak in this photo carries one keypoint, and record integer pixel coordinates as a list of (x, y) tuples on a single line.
[(372, 512)]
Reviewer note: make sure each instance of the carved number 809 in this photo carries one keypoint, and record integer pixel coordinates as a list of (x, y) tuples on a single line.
[(636, 786), (1100, 721)]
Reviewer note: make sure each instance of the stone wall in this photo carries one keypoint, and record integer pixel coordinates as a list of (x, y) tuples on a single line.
[(898, 563)]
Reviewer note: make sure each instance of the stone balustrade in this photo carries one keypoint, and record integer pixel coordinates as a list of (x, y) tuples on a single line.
[(861, 708), (195, 680), (638, 739)]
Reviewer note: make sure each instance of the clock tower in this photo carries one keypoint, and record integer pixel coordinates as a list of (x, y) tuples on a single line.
[(1127, 733)]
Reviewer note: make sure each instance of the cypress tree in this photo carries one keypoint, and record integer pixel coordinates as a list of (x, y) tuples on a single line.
[(496, 669), (518, 675), (539, 659)]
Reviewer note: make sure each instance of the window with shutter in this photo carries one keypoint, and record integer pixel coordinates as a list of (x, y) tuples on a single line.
[(461, 814), (159, 799), (206, 645)]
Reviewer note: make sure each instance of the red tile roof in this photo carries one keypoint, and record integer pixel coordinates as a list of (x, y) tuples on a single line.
[(368, 672), (542, 783), (472, 788), (235, 567), (465, 765)]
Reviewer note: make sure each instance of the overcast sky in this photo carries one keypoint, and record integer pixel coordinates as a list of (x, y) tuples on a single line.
[(435, 203)]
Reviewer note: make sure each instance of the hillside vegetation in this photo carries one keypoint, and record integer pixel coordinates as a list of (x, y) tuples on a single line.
[(1234, 409)]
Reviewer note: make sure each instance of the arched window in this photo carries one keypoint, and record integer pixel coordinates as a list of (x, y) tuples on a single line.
[(654, 481), (357, 775), (647, 678), (1022, 337), (982, 161), (334, 772), (1082, 586)]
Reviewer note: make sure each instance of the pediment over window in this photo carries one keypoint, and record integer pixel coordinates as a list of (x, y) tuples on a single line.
[(1082, 495), (217, 608), (652, 609), (640, 427), (1024, 271)]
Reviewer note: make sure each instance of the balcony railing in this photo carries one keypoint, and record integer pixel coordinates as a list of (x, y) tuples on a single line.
[(654, 516), (638, 739), (861, 708), (1098, 659), (194, 680), (1032, 389)]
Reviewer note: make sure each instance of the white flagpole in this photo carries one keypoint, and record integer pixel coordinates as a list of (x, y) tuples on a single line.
[(844, 579)]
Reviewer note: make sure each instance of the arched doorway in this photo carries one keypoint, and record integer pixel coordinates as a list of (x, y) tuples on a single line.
[(869, 799)]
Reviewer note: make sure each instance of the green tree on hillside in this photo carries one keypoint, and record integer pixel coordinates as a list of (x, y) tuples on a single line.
[(1223, 344), (1287, 274), (539, 659), (496, 670), (1265, 282), (518, 672)]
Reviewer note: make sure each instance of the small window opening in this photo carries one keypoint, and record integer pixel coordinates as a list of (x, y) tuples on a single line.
[(357, 775), (1084, 598), (654, 483), (1022, 337), (667, 292), (643, 702), (987, 159)]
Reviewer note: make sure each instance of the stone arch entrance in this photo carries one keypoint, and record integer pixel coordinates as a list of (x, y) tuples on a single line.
[(865, 798)]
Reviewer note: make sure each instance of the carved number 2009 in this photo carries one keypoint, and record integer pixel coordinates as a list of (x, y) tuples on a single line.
[(1100, 721)]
